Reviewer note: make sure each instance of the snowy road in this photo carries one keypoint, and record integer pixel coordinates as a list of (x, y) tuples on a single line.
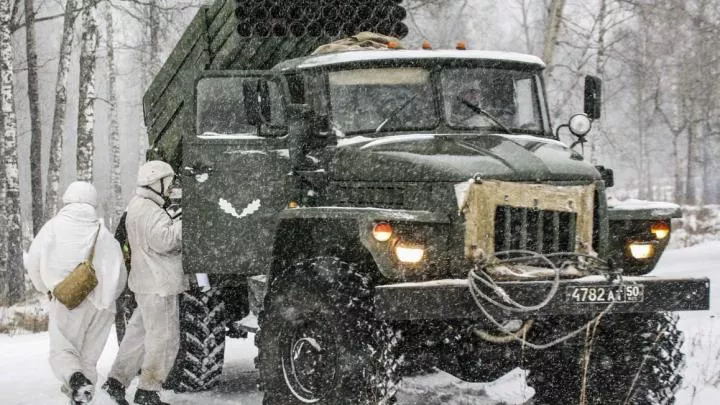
[(25, 377)]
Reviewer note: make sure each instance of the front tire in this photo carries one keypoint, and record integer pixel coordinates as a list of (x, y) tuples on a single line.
[(319, 342), (635, 359)]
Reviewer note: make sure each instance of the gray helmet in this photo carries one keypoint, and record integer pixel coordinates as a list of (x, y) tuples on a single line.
[(153, 171)]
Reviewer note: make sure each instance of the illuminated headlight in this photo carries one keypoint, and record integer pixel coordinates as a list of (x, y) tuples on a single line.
[(642, 250), (410, 254)]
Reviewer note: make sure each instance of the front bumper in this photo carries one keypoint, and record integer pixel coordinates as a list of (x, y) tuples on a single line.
[(451, 299)]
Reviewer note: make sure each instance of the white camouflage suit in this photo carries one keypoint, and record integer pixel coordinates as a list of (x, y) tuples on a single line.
[(152, 336), (78, 336)]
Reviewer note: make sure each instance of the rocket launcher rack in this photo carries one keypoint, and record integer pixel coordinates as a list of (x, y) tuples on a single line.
[(249, 35)]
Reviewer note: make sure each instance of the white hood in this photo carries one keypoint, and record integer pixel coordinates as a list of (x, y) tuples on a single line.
[(65, 241)]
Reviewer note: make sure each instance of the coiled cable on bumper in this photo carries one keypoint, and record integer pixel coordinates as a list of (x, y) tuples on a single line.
[(479, 276)]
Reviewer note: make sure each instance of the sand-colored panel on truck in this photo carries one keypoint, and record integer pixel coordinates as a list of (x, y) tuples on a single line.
[(483, 199)]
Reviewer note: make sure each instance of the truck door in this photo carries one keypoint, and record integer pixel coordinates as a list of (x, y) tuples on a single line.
[(235, 172)]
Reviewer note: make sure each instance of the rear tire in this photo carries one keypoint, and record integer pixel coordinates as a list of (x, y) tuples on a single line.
[(636, 359), (319, 342), (200, 360)]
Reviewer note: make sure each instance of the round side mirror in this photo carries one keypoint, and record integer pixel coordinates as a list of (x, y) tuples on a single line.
[(580, 124)]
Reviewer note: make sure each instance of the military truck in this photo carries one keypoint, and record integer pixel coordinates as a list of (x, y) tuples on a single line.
[(387, 211)]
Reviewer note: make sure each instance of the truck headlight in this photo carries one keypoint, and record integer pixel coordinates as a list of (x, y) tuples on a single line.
[(409, 254), (641, 250)]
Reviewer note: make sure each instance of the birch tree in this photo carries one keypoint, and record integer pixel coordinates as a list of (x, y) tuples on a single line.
[(13, 271), (35, 122), (86, 107), (552, 32), (115, 184), (153, 63), (58, 125)]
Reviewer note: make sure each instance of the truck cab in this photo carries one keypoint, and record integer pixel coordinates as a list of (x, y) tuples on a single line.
[(392, 130), (388, 211)]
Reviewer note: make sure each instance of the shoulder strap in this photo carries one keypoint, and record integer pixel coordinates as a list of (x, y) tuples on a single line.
[(91, 256)]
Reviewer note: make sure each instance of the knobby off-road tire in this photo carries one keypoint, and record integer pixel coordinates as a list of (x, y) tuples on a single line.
[(635, 359), (319, 342), (199, 361)]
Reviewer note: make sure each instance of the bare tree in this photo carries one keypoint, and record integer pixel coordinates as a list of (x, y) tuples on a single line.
[(525, 13), (552, 32), (61, 100), (35, 123), (86, 110), (13, 272), (116, 186)]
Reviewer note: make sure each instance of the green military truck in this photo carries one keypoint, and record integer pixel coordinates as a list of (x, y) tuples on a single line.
[(387, 211)]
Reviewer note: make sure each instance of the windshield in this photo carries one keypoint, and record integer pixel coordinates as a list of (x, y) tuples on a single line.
[(498, 99), (375, 100)]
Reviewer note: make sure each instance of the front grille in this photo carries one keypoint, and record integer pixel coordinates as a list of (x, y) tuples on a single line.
[(534, 230), (367, 195)]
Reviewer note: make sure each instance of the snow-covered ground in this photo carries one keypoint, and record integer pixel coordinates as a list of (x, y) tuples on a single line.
[(26, 379)]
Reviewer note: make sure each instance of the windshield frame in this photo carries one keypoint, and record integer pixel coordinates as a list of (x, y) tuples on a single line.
[(322, 101)]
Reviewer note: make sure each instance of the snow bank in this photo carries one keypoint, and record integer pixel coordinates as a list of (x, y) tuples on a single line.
[(27, 317), (441, 388), (701, 380), (26, 379), (697, 225)]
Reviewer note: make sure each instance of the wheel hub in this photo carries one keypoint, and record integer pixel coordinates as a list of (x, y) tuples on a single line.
[(308, 362)]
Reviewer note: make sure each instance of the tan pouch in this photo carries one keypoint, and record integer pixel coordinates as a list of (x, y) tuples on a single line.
[(73, 290)]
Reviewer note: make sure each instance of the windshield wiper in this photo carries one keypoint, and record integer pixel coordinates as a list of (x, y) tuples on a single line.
[(479, 110), (395, 112)]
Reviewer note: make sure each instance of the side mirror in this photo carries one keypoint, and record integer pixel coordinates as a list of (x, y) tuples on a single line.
[(607, 174), (256, 95), (308, 132), (593, 96)]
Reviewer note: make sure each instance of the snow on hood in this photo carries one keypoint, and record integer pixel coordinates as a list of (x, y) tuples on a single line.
[(397, 138), (531, 138), (458, 157), (633, 205), (353, 140)]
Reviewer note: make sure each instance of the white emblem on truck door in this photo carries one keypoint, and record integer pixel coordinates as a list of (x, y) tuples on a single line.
[(228, 208)]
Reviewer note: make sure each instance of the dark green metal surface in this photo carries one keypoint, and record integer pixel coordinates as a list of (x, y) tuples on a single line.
[(452, 299)]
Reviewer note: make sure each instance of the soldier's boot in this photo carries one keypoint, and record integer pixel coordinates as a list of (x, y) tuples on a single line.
[(81, 389), (116, 390), (143, 397)]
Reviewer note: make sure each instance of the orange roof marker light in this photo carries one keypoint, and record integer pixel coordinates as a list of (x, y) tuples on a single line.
[(393, 45), (426, 44), (461, 46)]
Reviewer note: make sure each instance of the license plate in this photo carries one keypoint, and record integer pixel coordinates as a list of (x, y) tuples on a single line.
[(605, 294)]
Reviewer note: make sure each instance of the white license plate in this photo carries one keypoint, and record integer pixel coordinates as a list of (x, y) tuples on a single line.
[(605, 294)]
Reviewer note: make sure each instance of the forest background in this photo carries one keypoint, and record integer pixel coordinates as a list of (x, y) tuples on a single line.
[(73, 72)]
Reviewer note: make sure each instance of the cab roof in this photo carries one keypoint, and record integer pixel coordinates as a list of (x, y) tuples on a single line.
[(388, 55)]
